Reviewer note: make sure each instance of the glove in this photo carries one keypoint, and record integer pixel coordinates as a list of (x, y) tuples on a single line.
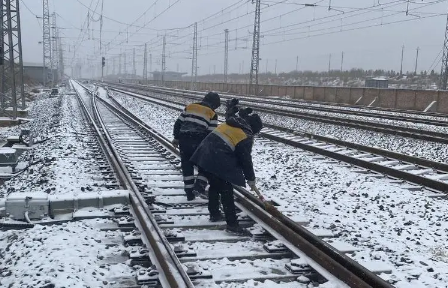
[(175, 143), (231, 103), (251, 184), (245, 112), (231, 111)]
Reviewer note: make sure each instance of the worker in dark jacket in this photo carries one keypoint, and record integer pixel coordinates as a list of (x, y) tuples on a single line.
[(224, 157), (193, 125)]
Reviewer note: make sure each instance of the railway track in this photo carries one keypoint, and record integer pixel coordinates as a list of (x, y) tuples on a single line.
[(359, 124), (324, 106), (189, 251), (419, 171)]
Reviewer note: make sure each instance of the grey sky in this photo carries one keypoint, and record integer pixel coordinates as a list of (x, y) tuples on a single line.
[(375, 47)]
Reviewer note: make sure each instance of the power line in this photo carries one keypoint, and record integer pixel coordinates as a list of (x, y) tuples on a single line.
[(344, 30), (27, 8), (352, 29)]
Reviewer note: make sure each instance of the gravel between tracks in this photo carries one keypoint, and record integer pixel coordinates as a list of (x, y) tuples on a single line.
[(393, 226), (74, 254), (414, 147), (62, 160), (287, 100)]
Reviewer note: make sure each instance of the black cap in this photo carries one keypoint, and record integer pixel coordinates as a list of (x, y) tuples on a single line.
[(255, 123), (213, 99)]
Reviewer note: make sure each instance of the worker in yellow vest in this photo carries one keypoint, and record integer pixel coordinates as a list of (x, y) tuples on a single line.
[(224, 157)]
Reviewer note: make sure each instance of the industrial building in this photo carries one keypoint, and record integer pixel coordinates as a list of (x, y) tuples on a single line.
[(35, 72), (169, 75), (377, 82)]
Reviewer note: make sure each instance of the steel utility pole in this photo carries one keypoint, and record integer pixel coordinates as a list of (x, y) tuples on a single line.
[(61, 58), (226, 54), (401, 65), (134, 70), (194, 61), (297, 63), (255, 61), (145, 65), (416, 61), (124, 65), (150, 63), (55, 52), (342, 60), (12, 95), (163, 60), (113, 66), (103, 59), (46, 44), (444, 72), (329, 63), (119, 65)]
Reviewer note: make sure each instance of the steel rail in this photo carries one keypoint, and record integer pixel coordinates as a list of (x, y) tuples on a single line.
[(417, 179), (359, 124), (344, 105), (291, 104), (386, 153), (170, 266), (340, 265)]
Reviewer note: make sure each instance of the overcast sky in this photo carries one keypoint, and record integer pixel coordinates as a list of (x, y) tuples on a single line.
[(371, 33)]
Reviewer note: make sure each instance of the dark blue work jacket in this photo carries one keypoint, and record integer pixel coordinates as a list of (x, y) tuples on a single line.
[(226, 152)]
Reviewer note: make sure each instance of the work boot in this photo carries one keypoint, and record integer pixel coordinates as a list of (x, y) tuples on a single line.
[(190, 196), (237, 229), (216, 218)]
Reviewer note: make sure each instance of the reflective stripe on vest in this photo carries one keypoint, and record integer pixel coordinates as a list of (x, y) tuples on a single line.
[(202, 112), (230, 135)]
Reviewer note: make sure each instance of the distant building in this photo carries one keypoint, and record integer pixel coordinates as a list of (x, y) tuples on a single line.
[(169, 75), (377, 83), (35, 72)]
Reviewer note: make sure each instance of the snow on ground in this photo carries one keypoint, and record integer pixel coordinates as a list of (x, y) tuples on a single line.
[(371, 119), (425, 149), (311, 104), (63, 160), (74, 254), (415, 147), (403, 229), (248, 101)]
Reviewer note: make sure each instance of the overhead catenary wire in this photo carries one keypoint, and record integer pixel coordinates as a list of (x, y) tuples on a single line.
[(339, 26), (213, 46)]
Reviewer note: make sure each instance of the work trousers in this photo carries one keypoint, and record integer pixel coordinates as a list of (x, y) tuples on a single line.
[(187, 146), (221, 188)]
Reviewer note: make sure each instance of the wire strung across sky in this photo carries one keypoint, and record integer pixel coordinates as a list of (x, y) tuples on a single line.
[(179, 39)]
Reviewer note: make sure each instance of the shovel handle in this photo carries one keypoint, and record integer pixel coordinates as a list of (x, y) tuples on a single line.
[(258, 193)]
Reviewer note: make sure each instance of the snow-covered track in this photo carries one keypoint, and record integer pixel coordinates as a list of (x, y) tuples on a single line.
[(163, 256), (431, 174), (410, 132), (379, 112), (277, 242)]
